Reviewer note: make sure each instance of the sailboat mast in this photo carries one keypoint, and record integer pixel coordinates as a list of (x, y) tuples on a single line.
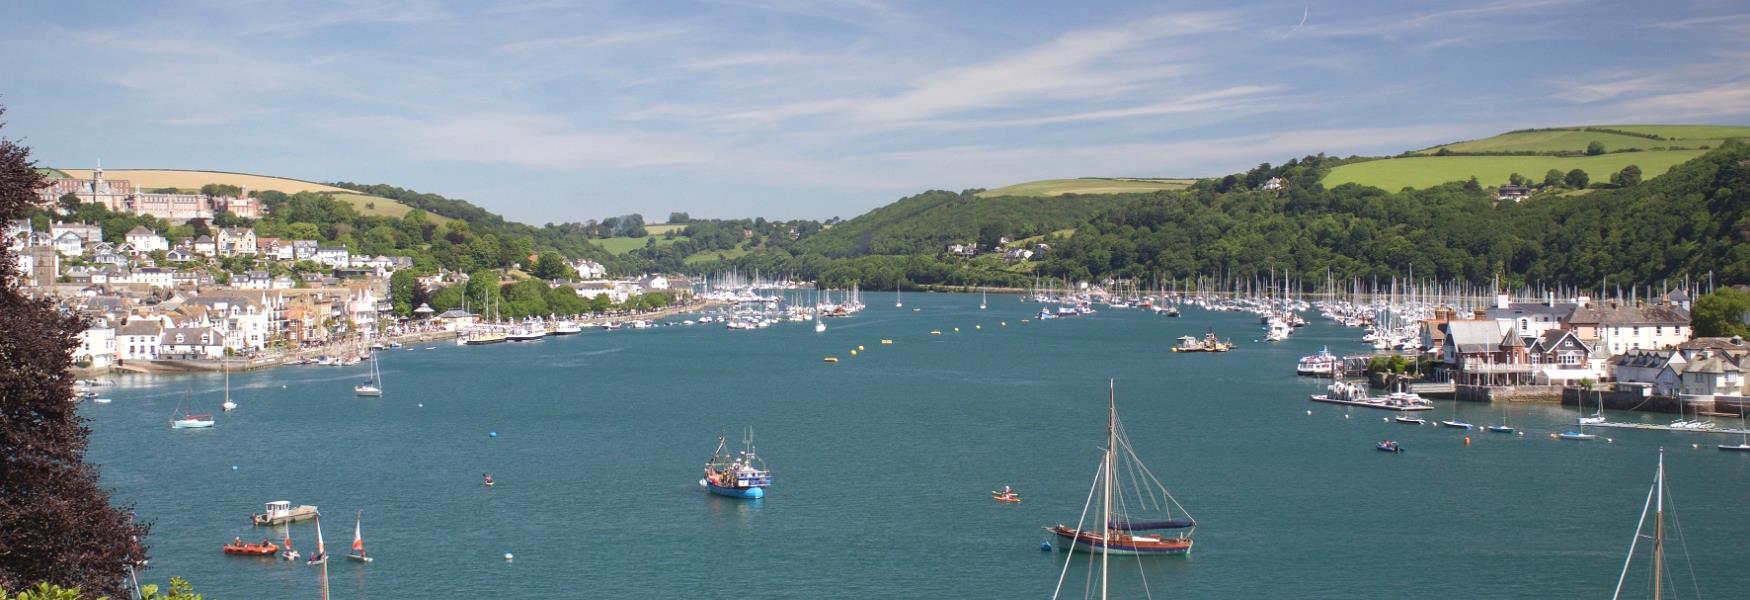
[(1106, 474), (1659, 529)]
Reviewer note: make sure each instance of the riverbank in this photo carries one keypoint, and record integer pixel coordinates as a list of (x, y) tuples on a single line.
[(353, 346)]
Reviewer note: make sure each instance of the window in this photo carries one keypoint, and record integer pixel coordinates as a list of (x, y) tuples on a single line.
[(1570, 359)]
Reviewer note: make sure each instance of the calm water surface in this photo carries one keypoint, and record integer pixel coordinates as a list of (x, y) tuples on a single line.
[(882, 467)]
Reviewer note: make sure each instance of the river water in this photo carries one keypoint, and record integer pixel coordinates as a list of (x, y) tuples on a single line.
[(882, 466)]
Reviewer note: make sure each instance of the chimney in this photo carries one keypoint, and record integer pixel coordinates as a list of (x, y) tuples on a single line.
[(1552, 300), (1479, 315), (1501, 301)]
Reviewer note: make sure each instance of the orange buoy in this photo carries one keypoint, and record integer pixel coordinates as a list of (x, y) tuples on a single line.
[(1467, 440)]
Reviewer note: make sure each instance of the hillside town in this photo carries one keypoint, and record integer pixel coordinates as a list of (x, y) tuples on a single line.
[(155, 305)]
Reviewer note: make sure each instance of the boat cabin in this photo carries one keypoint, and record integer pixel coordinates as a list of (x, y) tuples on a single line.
[(279, 509)]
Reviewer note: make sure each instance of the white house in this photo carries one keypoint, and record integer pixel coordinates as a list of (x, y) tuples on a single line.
[(241, 318), (1618, 327), (191, 342), (205, 246), (1275, 183), (589, 269), (332, 256), (157, 277), (138, 339), (143, 240), (234, 241), (68, 243), (252, 280), (96, 346), (1642, 367), (1712, 374)]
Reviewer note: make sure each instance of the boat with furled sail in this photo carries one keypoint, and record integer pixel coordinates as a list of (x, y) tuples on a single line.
[(1124, 533), (736, 474)]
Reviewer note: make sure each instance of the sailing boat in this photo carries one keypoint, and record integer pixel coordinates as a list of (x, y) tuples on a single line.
[(983, 299), (1656, 504), (1743, 446), (358, 541), (321, 555), (289, 553), (1502, 428), (182, 419), (1455, 423), (373, 386), (1121, 535), (1597, 416), (228, 405), (897, 303)]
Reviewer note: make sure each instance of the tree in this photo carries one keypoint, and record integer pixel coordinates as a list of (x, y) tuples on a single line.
[(482, 288), (1517, 179), (221, 190), (56, 522), (1577, 179), (1721, 314), (1595, 148), (678, 218), (403, 286), (1629, 176), (1552, 178), (69, 203), (551, 266)]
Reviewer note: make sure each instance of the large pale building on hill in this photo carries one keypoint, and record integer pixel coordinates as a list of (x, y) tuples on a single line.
[(120, 195)]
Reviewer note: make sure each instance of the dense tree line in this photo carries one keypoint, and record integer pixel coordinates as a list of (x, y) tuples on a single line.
[(56, 521)]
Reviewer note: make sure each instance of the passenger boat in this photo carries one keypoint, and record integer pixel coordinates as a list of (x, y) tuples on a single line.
[(1116, 532), (1389, 446), (526, 334), (358, 541), (239, 547), (280, 512), (566, 327), (736, 474), (1323, 364)]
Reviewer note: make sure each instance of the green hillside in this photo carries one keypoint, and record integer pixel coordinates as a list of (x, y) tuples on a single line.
[(928, 222), (1087, 185), (1532, 152)]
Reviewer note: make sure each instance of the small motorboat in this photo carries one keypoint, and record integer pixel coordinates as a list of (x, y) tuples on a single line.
[(1410, 420), (241, 548), (1457, 424), (1389, 446), (101, 400)]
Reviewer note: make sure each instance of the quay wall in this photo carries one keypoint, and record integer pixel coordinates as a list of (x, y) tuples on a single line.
[(1521, 393)]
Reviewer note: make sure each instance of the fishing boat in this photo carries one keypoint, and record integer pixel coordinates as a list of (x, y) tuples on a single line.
[(228, 405), (183, 419), (241, 548), (321, 555), (1117, 531), (736, 474), (373, 386), (281, 512), (1209, 343), (358, 541), (1389, 446)]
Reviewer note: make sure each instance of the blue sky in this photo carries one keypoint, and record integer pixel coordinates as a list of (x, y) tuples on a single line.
[(556, 110)]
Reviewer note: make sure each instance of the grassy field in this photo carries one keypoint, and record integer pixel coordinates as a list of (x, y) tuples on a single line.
[(663, 228), (367, 204), (1576, 140), (1425, 171), (702, 257), (1087, 185), (622, 245)]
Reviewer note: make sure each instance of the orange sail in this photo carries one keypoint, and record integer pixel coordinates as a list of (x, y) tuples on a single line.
[(358, 539)]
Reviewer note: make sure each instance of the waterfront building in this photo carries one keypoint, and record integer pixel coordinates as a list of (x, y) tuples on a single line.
[(1561, 358), (1712, 374), (191, 343), (1485, 352), (1735, 346), (138, 339), (96, 346), (1618, 327)]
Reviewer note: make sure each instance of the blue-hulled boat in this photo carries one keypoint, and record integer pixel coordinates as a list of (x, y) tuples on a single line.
[(736, 474)]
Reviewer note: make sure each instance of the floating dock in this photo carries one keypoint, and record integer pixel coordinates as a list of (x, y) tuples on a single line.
[(1653, 427), (1379, 404)]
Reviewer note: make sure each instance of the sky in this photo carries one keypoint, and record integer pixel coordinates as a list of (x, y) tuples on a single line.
[(560, 110)]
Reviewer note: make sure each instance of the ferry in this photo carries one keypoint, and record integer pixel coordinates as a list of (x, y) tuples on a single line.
[(526, 334), (1323, 364), (736, 474), (567, 327)]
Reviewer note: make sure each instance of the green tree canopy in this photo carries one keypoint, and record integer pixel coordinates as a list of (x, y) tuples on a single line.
[(1577, 179), (1722, 313), (1595, 148)]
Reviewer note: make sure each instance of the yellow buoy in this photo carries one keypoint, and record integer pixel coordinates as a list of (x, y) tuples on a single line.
[(859, 346), (853, 353)]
